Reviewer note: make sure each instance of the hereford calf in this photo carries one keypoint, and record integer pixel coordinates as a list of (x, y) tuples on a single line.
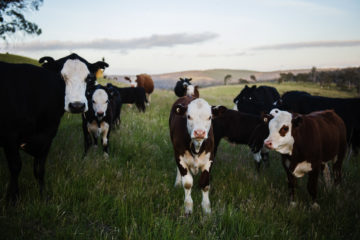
[(97, 121), (307, 143), (184, 87), (193, 141), (242, 128), (144, 81)]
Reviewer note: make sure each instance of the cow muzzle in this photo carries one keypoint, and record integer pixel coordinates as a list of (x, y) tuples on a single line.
[(268, 144), (199, 134), (77, 107)]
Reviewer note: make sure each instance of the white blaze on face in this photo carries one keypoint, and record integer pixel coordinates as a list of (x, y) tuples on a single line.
[(100, 102), (198, 121), (280, 132), (75, 73), (190, 90), (133, 82)]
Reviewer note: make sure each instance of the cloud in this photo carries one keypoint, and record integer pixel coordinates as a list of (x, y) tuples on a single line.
[(155, 40), (316, 44), (235, 54)]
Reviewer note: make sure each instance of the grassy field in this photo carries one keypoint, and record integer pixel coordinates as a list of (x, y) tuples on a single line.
[(11, 58), (130, 195)]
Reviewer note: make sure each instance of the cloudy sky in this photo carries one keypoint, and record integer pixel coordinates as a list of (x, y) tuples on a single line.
[(164, 36)]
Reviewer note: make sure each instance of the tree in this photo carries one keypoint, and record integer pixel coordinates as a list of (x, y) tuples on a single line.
[(314, 74), (227, 78), (12, 19)]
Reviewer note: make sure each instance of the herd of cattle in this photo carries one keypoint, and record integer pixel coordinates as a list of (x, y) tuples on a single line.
[(308, 131)]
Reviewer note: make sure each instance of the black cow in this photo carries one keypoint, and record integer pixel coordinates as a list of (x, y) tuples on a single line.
[(256, 100), (132, 95), (116, 103), (34, 100), (346, 108), (242, 128), (184, 87)]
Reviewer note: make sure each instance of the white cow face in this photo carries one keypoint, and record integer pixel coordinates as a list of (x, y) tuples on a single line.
[(132, 80), (75, 74), (190, 90), (280, 138), (100, 101)]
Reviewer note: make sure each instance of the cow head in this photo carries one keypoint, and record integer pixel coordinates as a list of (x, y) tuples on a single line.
[(246, 95), (198, 117), (78, 74), (132, 80), (280, 128), (100, 101)]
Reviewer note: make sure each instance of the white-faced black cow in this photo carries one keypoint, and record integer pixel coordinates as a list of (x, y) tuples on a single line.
[(99, 119), (193, 142), (142, 81), (242, 128), (307, 143), (184, 87), (34, 101)]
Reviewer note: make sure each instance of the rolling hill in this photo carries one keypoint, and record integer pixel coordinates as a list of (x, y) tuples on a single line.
[(11, 58)]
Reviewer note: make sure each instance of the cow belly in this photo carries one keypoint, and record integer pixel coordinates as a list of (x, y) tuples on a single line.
[(196, 162)]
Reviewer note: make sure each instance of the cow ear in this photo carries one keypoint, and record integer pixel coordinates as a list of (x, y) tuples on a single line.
[(189, 79), (196, 91), (98, 65), (181, 79), (180, 109), (266, 117), (253, 87), (218, 110), (47, 59), (127, 78), (246, 86), (296, 121)]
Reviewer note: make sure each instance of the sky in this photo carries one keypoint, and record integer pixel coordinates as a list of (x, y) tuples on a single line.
[(158, 36)]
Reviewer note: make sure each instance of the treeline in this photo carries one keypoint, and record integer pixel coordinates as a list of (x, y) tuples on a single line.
[(346, 79)]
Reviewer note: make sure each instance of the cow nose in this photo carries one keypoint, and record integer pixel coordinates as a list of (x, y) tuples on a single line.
[(77, 107), (100, 114), (268, 144), (199, 133)]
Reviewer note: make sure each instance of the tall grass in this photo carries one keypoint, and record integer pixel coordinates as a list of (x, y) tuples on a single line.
[(130, 195)]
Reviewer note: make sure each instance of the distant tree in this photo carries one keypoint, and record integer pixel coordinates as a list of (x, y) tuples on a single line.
[(286, 77), (227, 79), (12, 19), (242, 80), (313, 74), (253, 78)]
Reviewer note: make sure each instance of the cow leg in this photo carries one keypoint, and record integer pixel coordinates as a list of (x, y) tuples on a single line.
[(312, 186), (187, 182), (87, 139), (257, 158), (205, 187), (291, 179), (178, 178), (265, 157), (105, 129), (39, 172), (14, 163), (326, 175), (148, 97)]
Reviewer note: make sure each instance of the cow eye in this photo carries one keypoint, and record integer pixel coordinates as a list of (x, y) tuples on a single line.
[(209, 118), (189, 117), (93, 101), (286, 129)]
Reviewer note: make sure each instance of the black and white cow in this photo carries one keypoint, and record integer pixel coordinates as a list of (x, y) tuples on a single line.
[(346, 108), (242, 128), (193, 142), (34, 100), (116, 103), (256, 100), (184, 87), (98, 120)]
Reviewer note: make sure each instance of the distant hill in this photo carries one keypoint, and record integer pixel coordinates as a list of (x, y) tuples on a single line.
[(213, 76), (11, 58)]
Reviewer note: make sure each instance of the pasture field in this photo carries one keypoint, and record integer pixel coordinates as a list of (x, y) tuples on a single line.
[(131, 194)]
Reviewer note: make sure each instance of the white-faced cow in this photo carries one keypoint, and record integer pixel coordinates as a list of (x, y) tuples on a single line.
[(307, 143), (184, 87), (193, 142), (98, 121), (33, 103), (142, 80)]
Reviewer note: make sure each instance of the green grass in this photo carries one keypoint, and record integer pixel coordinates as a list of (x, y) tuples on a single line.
[(11, 58), (130, 195)]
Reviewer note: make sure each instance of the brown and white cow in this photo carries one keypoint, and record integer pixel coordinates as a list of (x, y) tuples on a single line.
[(193, 141), (307, 143), (142, 80)]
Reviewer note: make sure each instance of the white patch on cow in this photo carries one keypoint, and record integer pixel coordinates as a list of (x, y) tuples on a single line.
[(178, 178), (257, 156), (301, 169), (235, 107), (315, 206), (205, 203), (93, 128), (100, 102), (104, 129), (327, 176), (75, 73), (187, 182), (196, 162), (133, 82), (282, 144), (198, 119), (190, 91)]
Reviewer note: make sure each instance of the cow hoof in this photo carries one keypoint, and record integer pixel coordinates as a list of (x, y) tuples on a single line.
[(106, 155), (315, 206), (206, 209)]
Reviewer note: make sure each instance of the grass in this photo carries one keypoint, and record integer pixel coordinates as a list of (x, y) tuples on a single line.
[(130, 195)]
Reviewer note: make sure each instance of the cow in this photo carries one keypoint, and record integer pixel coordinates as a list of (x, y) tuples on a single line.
[(192, 138), (184, 87), (256, 100), (346, 108), (132, 95), (116, 104), (142, 80), (307, 142), (242, 128), (99, 119), (34, 100)]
